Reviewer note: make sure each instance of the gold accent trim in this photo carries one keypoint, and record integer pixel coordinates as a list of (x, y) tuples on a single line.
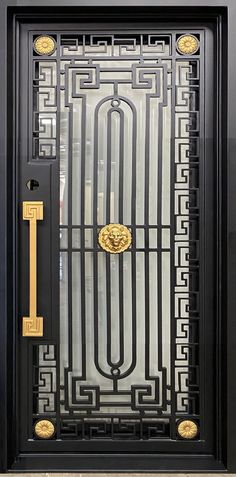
[(187, 44), (32, 324), (44, 429), (187, 429), (114, 238), (44, 45)]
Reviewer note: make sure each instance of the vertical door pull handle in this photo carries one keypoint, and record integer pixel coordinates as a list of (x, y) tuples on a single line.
[(32, 324)]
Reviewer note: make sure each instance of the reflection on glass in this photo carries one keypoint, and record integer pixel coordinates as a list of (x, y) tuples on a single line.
[(88, 238), (165, 238), (63, 311), (76, 238), (140, 238), (153, 238), (63, 238)]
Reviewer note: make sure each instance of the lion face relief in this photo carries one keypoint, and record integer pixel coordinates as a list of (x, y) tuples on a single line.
[(114, 238)]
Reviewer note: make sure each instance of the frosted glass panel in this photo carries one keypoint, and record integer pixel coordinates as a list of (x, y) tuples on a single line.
[(115, 174)]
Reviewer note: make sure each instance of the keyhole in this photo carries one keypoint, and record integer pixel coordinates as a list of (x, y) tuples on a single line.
[(32, 184)]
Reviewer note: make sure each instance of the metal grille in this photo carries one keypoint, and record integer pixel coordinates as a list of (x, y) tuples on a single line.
[(121, 114)]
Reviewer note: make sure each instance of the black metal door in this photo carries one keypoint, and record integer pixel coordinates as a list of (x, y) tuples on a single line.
[(116, 335)]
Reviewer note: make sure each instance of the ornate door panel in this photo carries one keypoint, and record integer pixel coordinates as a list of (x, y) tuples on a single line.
[(116, 190)]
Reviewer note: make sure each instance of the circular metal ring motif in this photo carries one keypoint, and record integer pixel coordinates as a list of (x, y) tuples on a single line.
[(44, 45), (187, 429), (44, 429), (187, 44), (114, 238)]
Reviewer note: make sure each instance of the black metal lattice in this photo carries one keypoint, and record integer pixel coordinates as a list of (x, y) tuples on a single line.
[(146, 406)]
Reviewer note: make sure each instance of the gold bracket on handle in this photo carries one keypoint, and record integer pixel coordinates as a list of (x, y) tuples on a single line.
[(32, 324)]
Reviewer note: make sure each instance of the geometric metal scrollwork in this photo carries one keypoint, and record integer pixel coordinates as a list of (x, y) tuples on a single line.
[(44, 380), (126, 371)]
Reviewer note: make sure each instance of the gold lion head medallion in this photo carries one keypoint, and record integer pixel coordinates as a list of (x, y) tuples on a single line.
[(114, 238)]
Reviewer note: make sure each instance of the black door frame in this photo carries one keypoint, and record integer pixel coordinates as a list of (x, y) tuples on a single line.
[(223, 14)]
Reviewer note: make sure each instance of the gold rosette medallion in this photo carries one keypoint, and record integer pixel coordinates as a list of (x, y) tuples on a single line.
[(44, 45), (187, 429), (187, 44), (44, 429)]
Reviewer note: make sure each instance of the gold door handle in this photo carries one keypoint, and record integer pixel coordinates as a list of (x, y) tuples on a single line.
[(32, 324), (114, 238)]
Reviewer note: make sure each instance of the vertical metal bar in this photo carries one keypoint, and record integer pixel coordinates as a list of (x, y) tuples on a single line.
[(108, 297), (69, 105), (159, 230), (146, 222), (57, 245), (121, 215), (95, 249), (159, 233), (108, 218), (70, 175), (82, 236), (133, 228), (203, 293), (172, 242)]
